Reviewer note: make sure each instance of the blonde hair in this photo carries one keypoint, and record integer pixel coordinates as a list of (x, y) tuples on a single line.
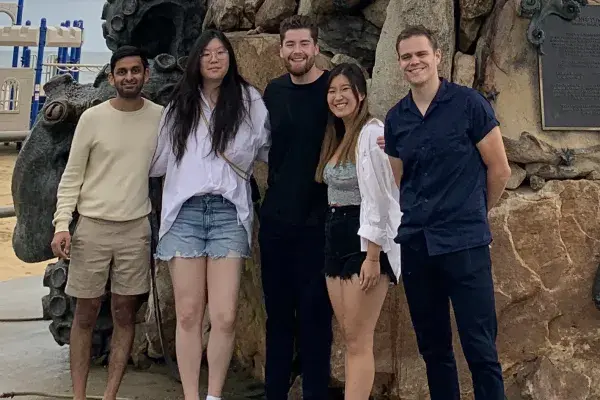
[(347, 144)]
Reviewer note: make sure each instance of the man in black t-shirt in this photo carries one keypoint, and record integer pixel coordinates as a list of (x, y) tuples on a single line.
[(292, 231)]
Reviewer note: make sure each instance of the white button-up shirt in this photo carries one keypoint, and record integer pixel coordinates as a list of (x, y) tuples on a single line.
[(201, 172), (380, 213)]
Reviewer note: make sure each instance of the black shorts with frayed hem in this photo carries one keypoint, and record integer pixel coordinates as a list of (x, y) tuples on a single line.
[(343, 257)]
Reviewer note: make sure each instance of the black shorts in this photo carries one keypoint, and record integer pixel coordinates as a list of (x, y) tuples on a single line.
[(343, 257)]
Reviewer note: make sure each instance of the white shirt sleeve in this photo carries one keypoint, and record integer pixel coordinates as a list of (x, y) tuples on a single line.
[(376, 183), (261, 122), (265, 134), (158, 167)]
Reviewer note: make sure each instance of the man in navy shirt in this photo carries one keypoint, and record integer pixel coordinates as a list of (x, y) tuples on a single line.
[(448, 158)]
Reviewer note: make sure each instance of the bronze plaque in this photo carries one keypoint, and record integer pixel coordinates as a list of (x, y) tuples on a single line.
[(570, 72)]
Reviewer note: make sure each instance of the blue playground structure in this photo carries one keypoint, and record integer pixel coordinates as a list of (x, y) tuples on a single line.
[(21, 89)]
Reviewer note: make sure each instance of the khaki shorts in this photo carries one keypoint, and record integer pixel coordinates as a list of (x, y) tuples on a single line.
[(100, 249)]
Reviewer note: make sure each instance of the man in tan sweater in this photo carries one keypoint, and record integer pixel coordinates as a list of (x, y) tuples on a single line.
[(106, 179)]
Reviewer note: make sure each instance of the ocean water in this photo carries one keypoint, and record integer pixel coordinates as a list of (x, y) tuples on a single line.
[(87, 57)]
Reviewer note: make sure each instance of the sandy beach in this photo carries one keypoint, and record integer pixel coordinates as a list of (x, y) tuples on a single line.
[(10, 266)]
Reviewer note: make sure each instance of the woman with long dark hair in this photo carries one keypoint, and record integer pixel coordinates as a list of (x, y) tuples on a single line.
[(211, 133), (362, 259)]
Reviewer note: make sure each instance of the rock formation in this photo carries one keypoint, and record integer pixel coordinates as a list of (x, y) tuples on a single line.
[(545, 255), (387, 86), (545, 240), (157, 26)]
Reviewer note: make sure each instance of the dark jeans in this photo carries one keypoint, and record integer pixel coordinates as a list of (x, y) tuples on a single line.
[(296, 301), (465, 278)]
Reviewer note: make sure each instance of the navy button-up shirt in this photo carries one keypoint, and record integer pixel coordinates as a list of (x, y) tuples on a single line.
[(443, 191)]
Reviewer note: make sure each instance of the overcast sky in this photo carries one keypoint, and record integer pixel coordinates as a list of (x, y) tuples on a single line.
[(57, 11)]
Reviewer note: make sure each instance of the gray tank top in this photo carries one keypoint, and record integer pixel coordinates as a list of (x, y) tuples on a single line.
[(342, 184)]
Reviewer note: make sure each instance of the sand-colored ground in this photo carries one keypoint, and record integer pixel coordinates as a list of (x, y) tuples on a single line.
[(10, 266)]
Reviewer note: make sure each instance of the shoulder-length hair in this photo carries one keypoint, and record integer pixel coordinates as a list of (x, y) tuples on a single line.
[(336, 136), (184, 105)]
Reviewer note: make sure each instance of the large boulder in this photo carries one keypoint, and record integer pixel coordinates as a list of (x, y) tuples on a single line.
[(272, 12), (226, 15), (544, 257), (463, 72), (388, 85), (258, 57), (375, 12), (319, 7), (472, 16), (352, 35)]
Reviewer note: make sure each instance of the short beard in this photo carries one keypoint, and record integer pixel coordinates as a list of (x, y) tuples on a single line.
[(310, 62), (129, 95)]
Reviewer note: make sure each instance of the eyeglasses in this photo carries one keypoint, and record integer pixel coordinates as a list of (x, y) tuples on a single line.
[(220, 54)]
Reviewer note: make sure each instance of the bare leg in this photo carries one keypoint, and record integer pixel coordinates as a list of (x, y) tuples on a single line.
[(123, 313), (86, 313), (223, 282), (189, 289), (361, 312), (334, 288)]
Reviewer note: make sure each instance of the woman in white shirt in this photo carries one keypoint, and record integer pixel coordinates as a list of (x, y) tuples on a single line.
[(211, 133), (362, 259)]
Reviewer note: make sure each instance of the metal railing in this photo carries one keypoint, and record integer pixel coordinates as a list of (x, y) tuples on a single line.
[(13, 136), (7, 212), (52, 68)]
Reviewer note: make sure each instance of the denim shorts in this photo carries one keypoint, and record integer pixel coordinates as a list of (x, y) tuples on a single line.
[(206, 226)]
